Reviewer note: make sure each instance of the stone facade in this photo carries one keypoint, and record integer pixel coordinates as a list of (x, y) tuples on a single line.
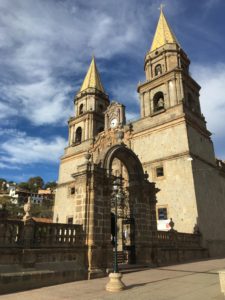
[(169, 143)]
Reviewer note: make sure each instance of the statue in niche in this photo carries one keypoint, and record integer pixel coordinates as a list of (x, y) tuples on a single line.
[(160, 104), (158, 70)]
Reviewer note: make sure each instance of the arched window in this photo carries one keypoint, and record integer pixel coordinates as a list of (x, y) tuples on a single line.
[(158, 101), (100, 107), (78, 135), (158, 70), (81, 109), (100, 129), (191, 102)]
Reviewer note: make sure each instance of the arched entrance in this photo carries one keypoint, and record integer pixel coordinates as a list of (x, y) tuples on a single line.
[(136, 213), (138, 219), (121, 162)]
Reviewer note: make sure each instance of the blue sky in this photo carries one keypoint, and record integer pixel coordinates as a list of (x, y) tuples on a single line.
[(46, 48)]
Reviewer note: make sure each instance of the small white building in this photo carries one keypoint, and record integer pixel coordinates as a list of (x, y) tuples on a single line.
[(36, 198), (12, 189)]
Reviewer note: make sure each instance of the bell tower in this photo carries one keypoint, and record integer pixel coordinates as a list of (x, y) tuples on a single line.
[(90, 103), (168, 81), (173, 130)]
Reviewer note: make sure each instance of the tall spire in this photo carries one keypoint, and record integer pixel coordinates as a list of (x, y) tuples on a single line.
[(92, 78), (163, 34)]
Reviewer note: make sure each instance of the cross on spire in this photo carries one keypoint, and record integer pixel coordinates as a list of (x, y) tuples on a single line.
[(92, 78), (161, 6), (164, 33)]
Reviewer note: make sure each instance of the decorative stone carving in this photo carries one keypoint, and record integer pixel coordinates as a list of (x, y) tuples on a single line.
[(87, 156), (160, 103), (171, 223), (120, 135), (146, 176), (27, 209), (196, 229)]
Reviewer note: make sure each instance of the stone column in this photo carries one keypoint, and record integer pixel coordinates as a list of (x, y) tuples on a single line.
[(98, 222)]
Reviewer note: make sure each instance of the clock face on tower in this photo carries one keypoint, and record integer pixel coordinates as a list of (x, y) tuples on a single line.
[(113, 123)]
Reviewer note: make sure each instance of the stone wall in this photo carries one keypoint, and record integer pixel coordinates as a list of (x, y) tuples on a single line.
[(210, 191), (174, 247), (37, 254), (166, 145)]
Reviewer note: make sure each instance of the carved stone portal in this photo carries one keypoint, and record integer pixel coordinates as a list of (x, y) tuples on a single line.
[(136, 219)]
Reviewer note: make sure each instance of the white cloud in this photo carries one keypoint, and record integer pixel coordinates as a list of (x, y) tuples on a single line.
[(210, 3), (44, 102), (125, 93), (45, 43), (6, 110), (41, 102), (132, 116), (212, 81), (20, 149), (9, 167), (11, 132)]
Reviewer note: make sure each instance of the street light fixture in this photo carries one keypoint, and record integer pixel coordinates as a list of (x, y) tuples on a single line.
[(115, 284), (116, 201)]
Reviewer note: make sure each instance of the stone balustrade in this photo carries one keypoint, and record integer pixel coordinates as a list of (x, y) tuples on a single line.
[(188, 240), (174, 239), (10, 233), (57, 235), (31, 234), (35, 254)]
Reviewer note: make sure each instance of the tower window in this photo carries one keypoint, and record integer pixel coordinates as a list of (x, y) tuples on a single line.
[(191, 102), (158, 101), (158, 70), (69, 220), (162, 213), (100, 107), (72, 191), (159, 172), (100, 129), (81, 109), (78, 135)]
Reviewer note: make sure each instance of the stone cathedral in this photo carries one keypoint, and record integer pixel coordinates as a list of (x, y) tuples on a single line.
[(165, 158)]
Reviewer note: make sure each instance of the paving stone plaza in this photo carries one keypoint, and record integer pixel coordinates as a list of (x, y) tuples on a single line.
[(195, 281)]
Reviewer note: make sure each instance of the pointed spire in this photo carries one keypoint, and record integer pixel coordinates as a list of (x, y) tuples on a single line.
[(164, 33), (92, 78)]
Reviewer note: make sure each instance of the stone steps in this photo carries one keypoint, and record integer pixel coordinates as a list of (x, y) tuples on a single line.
[(30, 278), (129, 268), (120, 257)]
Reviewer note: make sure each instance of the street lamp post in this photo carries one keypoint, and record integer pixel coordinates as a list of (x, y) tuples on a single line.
[(116, 201), (115, 284)]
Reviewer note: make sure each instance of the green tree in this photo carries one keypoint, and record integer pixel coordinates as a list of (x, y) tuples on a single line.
[(35, 183), (51, 185), (24, 185), (41, 211), (3, 184), (4, 200), (14, 211)]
